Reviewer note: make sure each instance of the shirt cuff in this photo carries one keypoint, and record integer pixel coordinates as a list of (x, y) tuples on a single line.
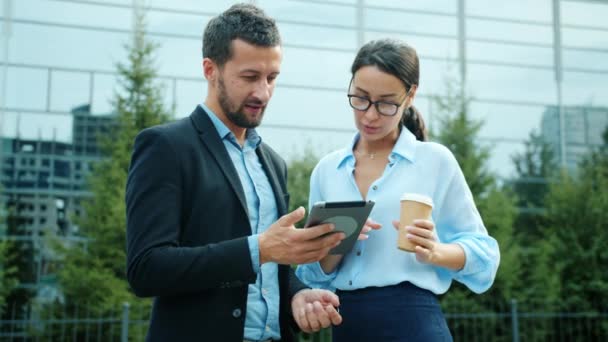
[(254, 250), (319, 274), (472, 264)]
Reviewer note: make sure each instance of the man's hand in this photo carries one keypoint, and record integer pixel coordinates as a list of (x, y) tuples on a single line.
[(314, 309), (284, 244)]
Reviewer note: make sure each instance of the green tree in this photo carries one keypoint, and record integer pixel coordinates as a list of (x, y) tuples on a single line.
[(96, 275), (8, 281), (8, 271), (577, 213), (535, 168), (459, 132), (298, 179), (20, 259)]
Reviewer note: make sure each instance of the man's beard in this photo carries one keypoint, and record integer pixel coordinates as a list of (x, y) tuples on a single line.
[(237, 116)]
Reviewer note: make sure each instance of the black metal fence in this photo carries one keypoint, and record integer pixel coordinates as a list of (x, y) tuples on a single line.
[(512, 322)]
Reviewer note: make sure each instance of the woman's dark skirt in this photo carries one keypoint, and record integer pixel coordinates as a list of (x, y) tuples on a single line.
[(402, 312)]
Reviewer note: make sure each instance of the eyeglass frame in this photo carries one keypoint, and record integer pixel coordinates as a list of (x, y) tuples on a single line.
[(376, 103)]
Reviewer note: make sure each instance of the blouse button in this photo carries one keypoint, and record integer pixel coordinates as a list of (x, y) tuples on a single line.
[(375, 187)]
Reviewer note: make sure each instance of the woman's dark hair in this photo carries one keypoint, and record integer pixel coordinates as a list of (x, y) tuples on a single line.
[(400, 60)]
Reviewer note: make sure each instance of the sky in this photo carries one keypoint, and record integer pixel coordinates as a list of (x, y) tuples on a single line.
[(59, 48)]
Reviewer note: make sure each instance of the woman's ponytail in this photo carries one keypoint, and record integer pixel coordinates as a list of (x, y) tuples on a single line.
[(413, 121)]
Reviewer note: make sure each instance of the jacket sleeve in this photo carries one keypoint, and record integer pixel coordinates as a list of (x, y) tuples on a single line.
[(156, 263)]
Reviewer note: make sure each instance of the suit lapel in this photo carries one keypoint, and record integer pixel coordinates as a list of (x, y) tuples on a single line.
[(215, 146), (273, 178)]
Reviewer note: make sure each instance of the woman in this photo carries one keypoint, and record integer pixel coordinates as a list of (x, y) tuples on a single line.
[(387, 294)]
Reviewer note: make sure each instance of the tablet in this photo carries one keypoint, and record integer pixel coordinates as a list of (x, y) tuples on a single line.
[(348, 217)]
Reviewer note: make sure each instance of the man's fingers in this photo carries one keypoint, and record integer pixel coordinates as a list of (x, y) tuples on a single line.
[(313, 232), (310, 317), (291, 218), (302, 321), (321, 315), (330, 298), (333, 314)]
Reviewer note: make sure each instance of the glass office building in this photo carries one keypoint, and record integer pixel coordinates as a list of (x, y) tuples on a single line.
[(516, 59)]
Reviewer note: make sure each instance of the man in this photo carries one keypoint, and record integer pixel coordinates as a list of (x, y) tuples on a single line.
[(207, 229)]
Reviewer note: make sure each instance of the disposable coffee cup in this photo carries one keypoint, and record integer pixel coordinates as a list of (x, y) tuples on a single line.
[(413, 207)]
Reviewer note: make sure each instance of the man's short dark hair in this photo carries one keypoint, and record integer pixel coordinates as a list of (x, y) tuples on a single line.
[(241, 21)]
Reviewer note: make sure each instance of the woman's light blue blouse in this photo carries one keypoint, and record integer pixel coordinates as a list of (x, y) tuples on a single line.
[(420, 167)]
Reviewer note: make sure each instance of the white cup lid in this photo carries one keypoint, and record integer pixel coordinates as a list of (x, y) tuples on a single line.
[(417, 198)]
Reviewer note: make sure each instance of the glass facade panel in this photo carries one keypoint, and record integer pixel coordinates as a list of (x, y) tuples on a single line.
[(585, 89), (510, 53), (585, 38), (310, 12), (512, 84), (404, 21), (488, 29), (70, 89), (537, 10), (442, 6), (315, 68), (584, 13)]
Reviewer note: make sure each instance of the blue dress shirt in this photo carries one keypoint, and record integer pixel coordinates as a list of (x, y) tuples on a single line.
[(262, 319), (413, 166)]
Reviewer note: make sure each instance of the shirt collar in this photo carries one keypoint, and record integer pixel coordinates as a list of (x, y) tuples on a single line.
[(405, 147), (251, 136)]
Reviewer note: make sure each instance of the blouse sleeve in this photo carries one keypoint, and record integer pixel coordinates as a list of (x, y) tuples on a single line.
[(458, 221)]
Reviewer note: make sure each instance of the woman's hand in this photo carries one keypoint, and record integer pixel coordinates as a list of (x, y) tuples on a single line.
[(422, 234), (429, 250), (369, 226)]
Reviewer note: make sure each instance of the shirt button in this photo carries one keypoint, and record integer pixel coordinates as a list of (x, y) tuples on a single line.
[(267, 328), (375, 187), (350, 282), (358, 253), (236, 313)]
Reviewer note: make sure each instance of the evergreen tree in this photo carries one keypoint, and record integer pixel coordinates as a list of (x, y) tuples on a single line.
[(19, 254), (8, 271), (298, 179), (459, 132), (96, 276), (577, 213), (535, 168)]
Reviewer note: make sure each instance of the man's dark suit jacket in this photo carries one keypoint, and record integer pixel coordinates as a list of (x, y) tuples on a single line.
[(187, 229)]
